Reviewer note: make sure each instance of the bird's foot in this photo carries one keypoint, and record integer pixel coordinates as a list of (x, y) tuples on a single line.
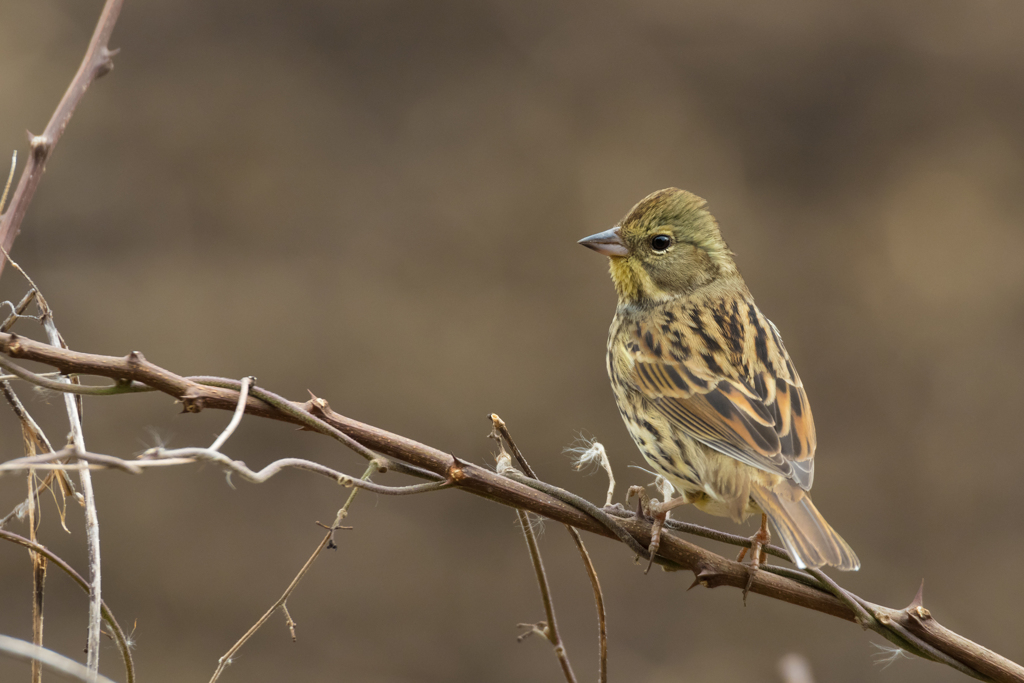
[(643, 501), (658, 512), (758, 555)]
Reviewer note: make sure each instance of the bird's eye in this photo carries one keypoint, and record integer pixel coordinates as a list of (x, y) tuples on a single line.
[(661, 242)]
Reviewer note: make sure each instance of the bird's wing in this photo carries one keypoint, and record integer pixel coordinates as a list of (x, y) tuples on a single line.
[(759, 415)]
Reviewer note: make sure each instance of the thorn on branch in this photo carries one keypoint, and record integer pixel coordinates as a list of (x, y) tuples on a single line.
[(106, 61), (192, 402), (455, 473), (704, 576), (135, 357), (316, 406), (13, 347), (916, 608), (40, 145)]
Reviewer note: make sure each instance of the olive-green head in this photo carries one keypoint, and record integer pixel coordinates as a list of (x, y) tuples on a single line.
[(666, 246)]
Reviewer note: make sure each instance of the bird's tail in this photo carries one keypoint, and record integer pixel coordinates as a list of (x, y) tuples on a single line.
[(806, 534)]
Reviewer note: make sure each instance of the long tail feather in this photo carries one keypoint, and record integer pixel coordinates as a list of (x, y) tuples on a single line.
[(805, 533)]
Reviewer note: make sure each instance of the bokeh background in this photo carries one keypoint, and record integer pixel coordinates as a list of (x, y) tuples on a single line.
[(379, 201)]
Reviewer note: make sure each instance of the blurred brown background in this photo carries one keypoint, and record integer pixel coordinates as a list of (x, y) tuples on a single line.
[(379, 202)]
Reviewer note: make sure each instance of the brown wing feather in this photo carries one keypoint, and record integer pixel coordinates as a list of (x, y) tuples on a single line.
[(742, 399)]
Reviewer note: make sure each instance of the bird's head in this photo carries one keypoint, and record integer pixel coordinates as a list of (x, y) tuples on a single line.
[(665, 247)]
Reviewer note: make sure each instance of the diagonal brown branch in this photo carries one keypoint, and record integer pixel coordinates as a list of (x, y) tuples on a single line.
[(98, 61), (711, 569)]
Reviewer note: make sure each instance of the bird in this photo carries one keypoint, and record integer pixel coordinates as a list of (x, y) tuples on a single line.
[(704, 384)]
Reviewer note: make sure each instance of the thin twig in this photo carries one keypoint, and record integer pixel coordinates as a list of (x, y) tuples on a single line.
[(327, 542), (550, 627), (16, 311), (10, 177), (21, 649), (55, 461), (501, 429), (67, 488), (98, 61), (42, 443), (92, 523), (108, 616), (602, 619), (7, 378), (158, 457), (243, 394), (38, 561)]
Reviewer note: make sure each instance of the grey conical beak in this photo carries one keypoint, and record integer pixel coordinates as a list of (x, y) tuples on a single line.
[(608, 243)]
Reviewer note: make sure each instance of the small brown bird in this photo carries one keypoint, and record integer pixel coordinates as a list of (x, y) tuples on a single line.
[(703, 382)]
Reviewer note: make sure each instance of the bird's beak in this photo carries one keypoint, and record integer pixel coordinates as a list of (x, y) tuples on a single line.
[(608, 243)]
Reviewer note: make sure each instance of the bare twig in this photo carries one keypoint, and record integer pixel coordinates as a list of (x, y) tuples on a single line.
[(549, 628), (67, 488), (602, 619), (501, 429), (10, 177), (327, 542), (34, 432), (20, 649), (243, 394), (7, 378), (16, 311), (98, 61), (158, 457), (92, 522), (711, 569), (108, 616), (38, 561)]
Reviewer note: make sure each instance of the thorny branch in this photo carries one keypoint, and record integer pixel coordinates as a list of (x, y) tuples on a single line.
[(711, 570), (97, 62)]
